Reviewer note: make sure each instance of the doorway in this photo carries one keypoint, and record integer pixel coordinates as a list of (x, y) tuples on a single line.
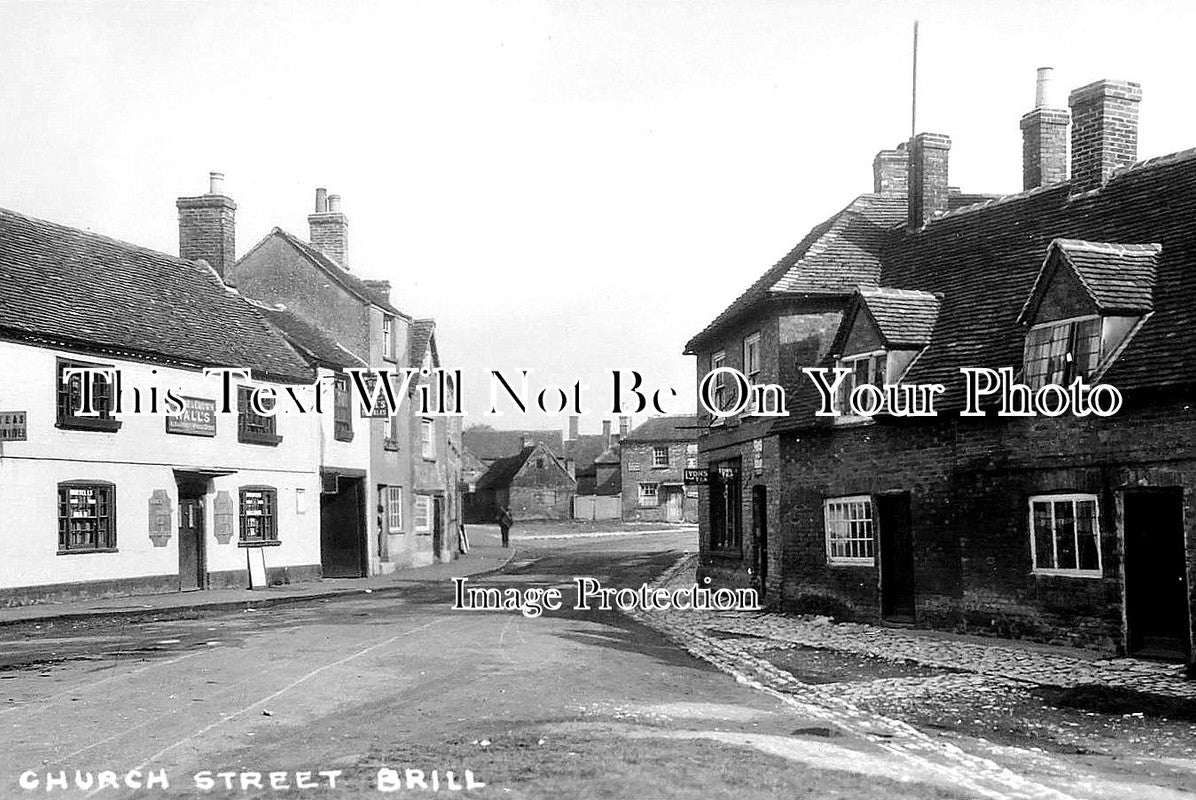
[(1156, 581), (760, 537), (674, 508), (342, 528), (192, 488), (896, 557)]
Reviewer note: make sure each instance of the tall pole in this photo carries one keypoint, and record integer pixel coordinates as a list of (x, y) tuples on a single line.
[(913, 111)]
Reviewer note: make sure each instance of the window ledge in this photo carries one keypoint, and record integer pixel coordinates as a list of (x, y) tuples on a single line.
[(853, 562), (89, 424), (79, 551), (272, 543), (343, 436), (1068, 573), (390, 444), (268, 439)]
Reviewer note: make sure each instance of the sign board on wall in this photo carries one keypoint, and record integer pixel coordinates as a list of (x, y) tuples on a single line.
[(695, 477), (12, 426), (198, 420)]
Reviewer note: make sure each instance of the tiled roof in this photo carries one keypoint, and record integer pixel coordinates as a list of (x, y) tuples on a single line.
[(610, 455), (676, 428), (905, 318), (585, 449), (833, 258), (78, 289), (315, 345), (1118, 277), (347, 280), (848, 254), (504, 470), (420, 336), (985, 260), (489, 444)]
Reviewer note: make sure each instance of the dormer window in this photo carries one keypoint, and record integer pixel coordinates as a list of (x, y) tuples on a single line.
[(866, 368), (1087, 302), (1061, 352)]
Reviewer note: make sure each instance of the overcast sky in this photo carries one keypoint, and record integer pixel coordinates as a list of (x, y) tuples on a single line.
[(564, 186)]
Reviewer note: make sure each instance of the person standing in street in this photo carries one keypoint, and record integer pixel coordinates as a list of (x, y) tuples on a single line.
[(505, 520)]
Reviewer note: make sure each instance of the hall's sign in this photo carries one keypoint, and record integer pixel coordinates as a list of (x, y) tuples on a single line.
[(198, 420)]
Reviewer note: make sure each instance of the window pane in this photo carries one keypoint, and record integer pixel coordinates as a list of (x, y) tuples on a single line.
[(1044, 548), (1065, 534), (1086, 528)]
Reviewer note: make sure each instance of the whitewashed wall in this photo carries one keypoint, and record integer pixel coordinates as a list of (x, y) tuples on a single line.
[(138, 459)]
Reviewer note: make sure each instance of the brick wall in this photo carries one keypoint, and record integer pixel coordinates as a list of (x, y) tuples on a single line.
[(637, 466), (1104, 131), (970, 482)]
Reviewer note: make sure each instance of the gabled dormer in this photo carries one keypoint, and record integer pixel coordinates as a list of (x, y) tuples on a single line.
[(1088, 300), (881, 334)]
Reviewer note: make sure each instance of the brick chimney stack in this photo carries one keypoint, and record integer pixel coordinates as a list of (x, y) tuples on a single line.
[(207, 228), (624, 427), (890, 172), (574, 428), (606, 432), (1044, 136), (330, 228), (928, 190), (1104, 131)]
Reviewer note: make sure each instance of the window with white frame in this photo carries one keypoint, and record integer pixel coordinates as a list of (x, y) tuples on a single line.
[(1060, 352), (427, 440), (1065, 535), (866, 368), (649, 495), (388, 337), (717, 361), (392, 503), (751, 356), (423, 513), (849, 530), (660, 456)]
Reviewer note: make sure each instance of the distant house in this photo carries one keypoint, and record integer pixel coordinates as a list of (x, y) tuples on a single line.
[(654, 457), (472, 469), (533, 483)]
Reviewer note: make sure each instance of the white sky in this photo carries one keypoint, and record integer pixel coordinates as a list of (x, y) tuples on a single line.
[(565, 186)]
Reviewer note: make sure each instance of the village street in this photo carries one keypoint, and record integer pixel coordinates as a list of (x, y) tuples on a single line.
[(570, 704)]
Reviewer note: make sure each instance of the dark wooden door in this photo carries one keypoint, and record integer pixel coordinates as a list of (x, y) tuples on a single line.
[(1156, 583), (342, 531), (437, 527), (896, 557), (760, 536), (191, 530)]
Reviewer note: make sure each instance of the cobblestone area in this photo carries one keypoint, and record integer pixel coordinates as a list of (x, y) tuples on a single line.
[(1005, 662), (975, 675)]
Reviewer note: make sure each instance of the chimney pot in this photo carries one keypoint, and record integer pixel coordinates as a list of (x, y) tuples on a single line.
[(330, 228), (1044, 89), (624, 426), (216, 183)]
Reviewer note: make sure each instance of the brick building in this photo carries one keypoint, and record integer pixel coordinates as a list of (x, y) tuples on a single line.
[(654, 458), (1078, 530), (533, 483)]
